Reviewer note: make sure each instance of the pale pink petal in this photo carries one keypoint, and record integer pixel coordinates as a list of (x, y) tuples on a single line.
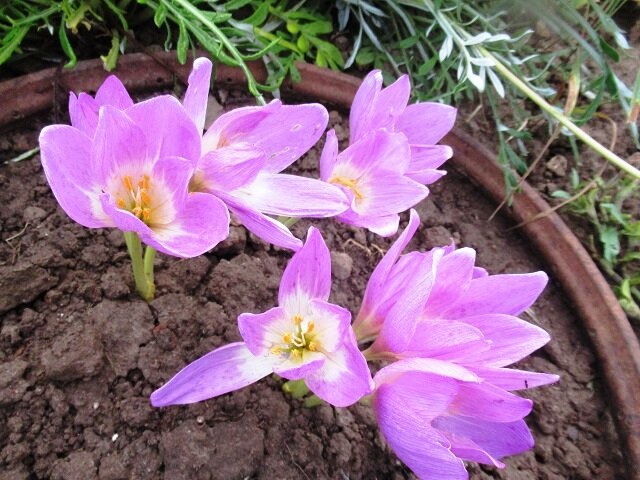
[(293, 196), (83, 111), (299, 369), (267, 228), (494, 439), (344, 378), (426, 177), (331, 324), (385, 225), (119, 146), (197, 94), (425, 159), (486, 402), (512, 379), (221, 371), (507, 294), (263, 331), (284, 132), (113, 92), (65, 152), (405, 409), (402, 318), (363, 104), (199, 226), (379, 151), (390, 103), (453, 276), (168, 130), (511, 340), (329, 155), (393, 371), (169, 179), (376, 287), (444, 340), (228, 168), (308, 273), (426, 123)]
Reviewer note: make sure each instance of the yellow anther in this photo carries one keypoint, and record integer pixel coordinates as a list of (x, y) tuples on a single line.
[(313, 346), (137, 211), (144, 182), (128, 183), (310, 326), (286, 338), (121, 203), (350, 183), (297, 319), (146, 214), (144, 196), (276, 350), (295, 354)]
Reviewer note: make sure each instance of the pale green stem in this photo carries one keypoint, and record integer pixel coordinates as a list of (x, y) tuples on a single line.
[(560, 117), (144, 282), (233, 51), (149, 257)]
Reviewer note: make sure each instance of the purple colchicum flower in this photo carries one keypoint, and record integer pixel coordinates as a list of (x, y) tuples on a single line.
[(131, 171), (450, 329), (423, 124), (371, 172), (243, 153), (305, 337)]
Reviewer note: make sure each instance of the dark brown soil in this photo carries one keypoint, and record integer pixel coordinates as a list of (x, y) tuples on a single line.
[(80, 354)]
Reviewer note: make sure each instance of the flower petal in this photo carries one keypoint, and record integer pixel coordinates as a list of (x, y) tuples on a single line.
[(376, 287), (284, 132), (425, 159), (228, 168), (197, 94), (329, 156), (168, 130), (443, 339), (344, 378), (65, 152), (293, 196), (379, 151), (113, 92), (453, 276), (308, 273), (395, 370), (363, 104), (299, 369), (487, 402), (507, 294), (495, 439), (262, 331), (119, 146), (511, 339), (268, 229), (332, 324), (197, 228), (426, 123), (218, 372), (404, 410), (83, 111), (512, 379), (387, 193)]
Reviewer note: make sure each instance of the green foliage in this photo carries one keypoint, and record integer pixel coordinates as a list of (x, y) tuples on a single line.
[(61, 18), (616, 232)]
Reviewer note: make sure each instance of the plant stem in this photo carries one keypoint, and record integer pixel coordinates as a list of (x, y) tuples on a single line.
[(233, 51), (142, 269), (560, 117)]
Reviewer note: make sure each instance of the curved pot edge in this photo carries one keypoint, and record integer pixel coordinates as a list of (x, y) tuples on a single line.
[(616, 344)]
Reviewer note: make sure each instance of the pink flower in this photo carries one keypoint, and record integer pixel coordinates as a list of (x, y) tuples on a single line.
[(424, 124), (437, 414), (305, 337), (132, 171), (243, 153)]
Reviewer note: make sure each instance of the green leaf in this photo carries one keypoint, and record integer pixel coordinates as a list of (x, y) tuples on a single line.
[(610, 242), (609, 50), (183, 42), (160, 15), (110, 60), (317, 28), (259, 16), (365, 57), (15, 37), (66, 46), (614, 212), (561, 194)]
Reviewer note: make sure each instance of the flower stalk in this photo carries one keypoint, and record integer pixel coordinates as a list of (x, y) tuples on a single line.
[(560, 117), (142, 267)]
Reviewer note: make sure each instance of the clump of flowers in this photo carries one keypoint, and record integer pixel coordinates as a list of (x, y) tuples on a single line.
[(440, 331)]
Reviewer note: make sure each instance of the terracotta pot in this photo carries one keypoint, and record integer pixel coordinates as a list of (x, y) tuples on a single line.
[(615, 343)]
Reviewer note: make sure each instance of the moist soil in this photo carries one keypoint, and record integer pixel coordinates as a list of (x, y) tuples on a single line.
[(80, 353)]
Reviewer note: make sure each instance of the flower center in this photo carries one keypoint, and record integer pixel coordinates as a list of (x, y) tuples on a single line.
[(135, 197), (350, 183), (301, 339)]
